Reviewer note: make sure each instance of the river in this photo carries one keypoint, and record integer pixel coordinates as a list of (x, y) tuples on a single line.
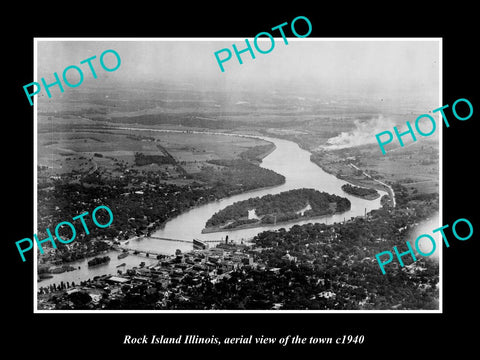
[(287, 159)]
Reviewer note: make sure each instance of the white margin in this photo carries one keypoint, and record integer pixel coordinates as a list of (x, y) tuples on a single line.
[(35, 178), (440, 172)]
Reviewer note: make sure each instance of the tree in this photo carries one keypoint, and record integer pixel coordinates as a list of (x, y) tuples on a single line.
[(80, 299)]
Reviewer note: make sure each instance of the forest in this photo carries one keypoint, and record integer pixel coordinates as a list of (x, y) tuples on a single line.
[(288, 205), (237, 176), (142, 159), (362, 192), (257, 153)]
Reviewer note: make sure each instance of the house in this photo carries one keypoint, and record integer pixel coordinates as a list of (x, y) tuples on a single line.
[(289, 257), (71, 291), (117, 280), (277, 306), (327, 294), (95, 297)]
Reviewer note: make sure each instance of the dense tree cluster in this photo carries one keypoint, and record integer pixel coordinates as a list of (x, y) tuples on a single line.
[(237, 176), (134, 206), (360, 191), (257, 153), (98, 260), (142, 159), (282, 207)]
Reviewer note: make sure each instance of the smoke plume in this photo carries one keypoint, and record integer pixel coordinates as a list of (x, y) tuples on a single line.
[(363, 133)]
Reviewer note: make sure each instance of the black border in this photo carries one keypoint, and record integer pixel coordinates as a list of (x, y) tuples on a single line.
[(386, 334)]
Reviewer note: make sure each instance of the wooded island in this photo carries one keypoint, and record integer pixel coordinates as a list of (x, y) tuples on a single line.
[(272, 209), (361, 192)]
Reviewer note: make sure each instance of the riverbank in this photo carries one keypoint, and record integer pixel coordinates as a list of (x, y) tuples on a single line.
[(291, 250), (259, 157), (217, 229), (373, 183), (342, 169), (366, 197), (294, 204), (361, 192), (352, 174), (287, 159)]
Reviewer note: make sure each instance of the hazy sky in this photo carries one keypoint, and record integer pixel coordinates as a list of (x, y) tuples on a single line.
[(410, 66)]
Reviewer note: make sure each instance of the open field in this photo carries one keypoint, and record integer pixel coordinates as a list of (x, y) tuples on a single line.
[(86, 147), (415, 166), (74, 128)]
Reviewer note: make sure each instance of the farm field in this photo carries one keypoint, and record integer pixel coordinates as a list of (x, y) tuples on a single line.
[(85, 146)]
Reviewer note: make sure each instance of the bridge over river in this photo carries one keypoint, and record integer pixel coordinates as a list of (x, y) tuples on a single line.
[(124, 247), (184, 241)]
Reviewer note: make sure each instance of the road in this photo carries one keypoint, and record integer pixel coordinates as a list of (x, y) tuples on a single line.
[(380, 182)]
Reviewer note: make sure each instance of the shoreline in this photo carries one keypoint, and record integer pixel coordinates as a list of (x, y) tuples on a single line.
[(365, 197), (260, 224), (371, 182), (155, 228), (260, 158)]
